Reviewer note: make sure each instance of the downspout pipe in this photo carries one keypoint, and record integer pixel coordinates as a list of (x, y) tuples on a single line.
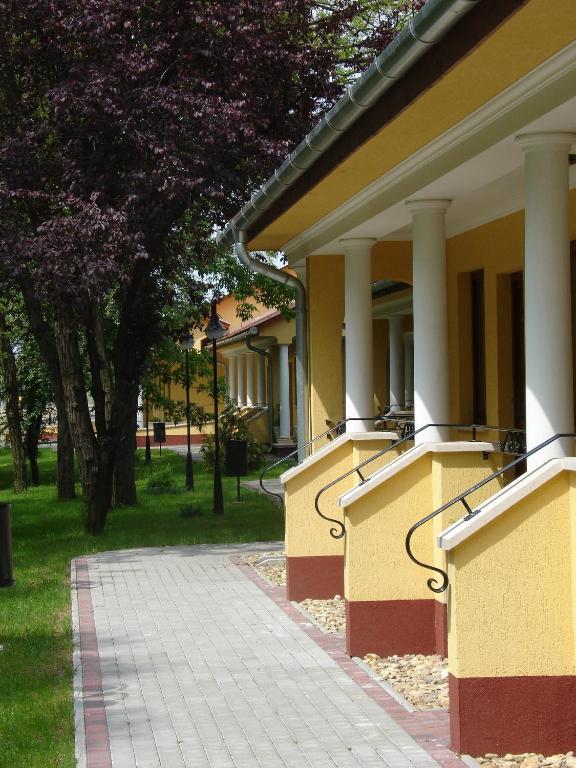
[(292, 282)]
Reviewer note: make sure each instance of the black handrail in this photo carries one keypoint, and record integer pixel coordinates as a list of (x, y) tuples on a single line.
[(338, 533), (470, 513), (335, 429)]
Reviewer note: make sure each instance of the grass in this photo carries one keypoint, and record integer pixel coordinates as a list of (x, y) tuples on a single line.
[(36, 726)]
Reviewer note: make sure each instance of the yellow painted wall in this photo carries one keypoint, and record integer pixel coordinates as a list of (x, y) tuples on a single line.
[(511, 603), (380, 356), (307, 533), (325, 278), (498, 249), (376, 564)]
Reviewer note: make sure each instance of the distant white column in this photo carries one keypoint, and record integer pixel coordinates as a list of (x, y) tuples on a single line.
[(409, 368), (431, 386), (250, 390), (139, 411), (260, 380), (241, 389), (358, 324), (547, 311), (284, 382), (233, 379), (396, 348)]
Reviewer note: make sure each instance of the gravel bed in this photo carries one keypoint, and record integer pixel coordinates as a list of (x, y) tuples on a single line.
[(271, 565), (422, 680), (527, 760), (330, 614)]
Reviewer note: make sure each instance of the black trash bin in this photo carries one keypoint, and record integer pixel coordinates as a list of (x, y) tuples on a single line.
[(6, 571), (236, 459)]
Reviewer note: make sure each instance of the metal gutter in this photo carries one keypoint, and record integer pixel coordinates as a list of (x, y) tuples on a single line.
[(224, 342), (424, 30)]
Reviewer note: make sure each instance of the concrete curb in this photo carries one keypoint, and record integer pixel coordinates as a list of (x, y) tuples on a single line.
[(387, 687)]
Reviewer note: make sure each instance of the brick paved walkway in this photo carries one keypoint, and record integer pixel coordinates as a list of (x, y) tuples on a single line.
[(186, 662)]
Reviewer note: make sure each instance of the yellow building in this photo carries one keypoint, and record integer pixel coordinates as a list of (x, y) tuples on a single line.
[(446, 173), (257, 359)]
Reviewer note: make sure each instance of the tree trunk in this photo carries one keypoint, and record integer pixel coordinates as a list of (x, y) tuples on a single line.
[(46, 342), (93, 459), (124, 475), (65, 456), (10, 376), (31, 444)]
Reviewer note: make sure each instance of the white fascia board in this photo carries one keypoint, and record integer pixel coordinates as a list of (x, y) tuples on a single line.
[(332, 446), (405, 460), (359, 437), (503, 500), (506, 113), (315, 457)]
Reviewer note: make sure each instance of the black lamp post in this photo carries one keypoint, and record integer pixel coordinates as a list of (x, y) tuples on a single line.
[(187, 343), (214, 331), (147, 454)]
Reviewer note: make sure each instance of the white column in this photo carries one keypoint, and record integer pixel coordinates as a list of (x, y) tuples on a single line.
[(358, 325), (232, 379), (396, 349), (139, 411), (260, 380), (250, 389), (547, 303), (241, 389), (408, 339), (431, 386), (284, 386)]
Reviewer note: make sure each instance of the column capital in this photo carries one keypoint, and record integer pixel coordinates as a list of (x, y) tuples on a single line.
[(357, 246), (537, 142), (427, 206)]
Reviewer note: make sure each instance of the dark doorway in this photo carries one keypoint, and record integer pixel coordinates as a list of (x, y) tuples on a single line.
[(518, 347), (478, 347)]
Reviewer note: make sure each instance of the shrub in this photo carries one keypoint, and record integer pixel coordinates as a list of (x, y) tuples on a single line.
[(160, 478), (232, 427)]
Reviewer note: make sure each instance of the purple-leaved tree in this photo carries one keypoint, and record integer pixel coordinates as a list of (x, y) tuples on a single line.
[(116, 120)]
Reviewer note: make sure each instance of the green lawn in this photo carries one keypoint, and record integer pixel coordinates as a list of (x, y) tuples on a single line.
[(36, 728)]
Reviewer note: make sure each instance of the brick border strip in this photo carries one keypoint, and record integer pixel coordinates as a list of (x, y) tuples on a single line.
[(431, 730), (96, 741)]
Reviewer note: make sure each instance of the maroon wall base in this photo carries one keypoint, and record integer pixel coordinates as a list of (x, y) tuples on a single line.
[(389, 627), (170, 440), (441, 628), (513, 714), (318, 577)]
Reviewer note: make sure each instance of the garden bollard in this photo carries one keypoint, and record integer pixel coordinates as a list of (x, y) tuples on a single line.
[(6, 572)]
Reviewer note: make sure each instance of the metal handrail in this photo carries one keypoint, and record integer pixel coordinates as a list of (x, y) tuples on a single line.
[(384, 414), (470, 513), (338, 533)]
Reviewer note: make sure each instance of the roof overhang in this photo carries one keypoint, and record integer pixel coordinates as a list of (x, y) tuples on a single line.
[(394, 149)]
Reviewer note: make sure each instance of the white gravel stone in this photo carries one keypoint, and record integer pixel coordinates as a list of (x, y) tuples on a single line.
[(422, 680), (270, 565), (330, 614), (527, 760)]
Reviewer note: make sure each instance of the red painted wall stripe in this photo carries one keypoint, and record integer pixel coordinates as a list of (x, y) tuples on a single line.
[(95, 723)]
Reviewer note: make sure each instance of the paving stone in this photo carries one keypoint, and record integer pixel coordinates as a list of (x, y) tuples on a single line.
[(201, 669)]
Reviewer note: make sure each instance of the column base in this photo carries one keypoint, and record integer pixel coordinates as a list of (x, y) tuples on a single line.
[(318, 577), (389, 627), (513, 714)]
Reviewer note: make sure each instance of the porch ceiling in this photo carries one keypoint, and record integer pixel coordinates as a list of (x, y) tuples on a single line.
[(479, 167)]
